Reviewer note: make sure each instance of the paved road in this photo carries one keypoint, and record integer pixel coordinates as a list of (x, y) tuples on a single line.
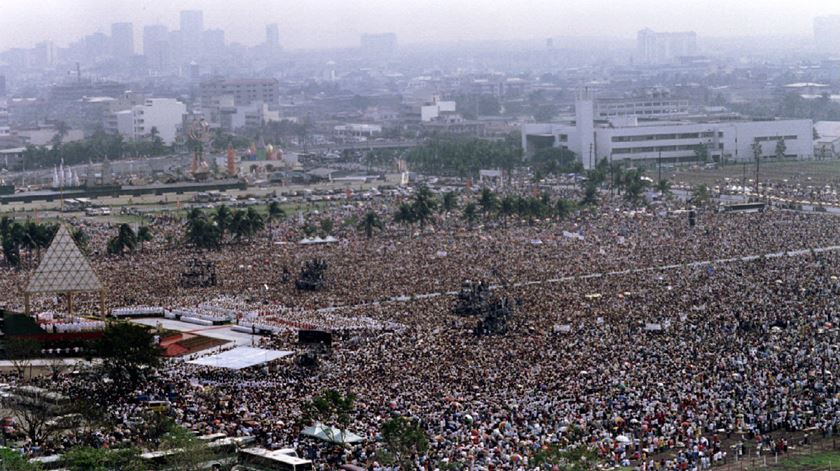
[(701, 263)]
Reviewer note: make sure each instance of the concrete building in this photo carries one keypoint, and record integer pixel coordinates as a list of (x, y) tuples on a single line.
[(628, 138), (122, 40), (191, 34), (156, 46), (244, 91), (663, 48), (435, 109), (827, 34), (253, 116), (214, 41), (358, 130), (643, 107), (164, 114)]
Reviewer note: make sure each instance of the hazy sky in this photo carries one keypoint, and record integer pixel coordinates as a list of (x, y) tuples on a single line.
[(336, 23)]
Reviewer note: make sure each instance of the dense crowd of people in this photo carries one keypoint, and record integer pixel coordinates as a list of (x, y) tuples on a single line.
[(747, 356)]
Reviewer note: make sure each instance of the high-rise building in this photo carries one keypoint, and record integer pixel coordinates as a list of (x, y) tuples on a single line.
[(44, 54), (2, 85), (272, 35), (662, 48), (192, 30), (156, 46), (379, 43), (122, 40), (244, 91), (213, 41), (827, 34)]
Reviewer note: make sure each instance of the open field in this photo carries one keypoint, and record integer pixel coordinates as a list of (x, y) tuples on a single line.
[(803, 172)]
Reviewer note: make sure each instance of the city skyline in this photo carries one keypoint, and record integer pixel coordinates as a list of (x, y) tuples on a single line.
[(326, 24)]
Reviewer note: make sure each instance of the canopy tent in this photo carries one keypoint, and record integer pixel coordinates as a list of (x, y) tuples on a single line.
[(331, 434), (64, 270), (240, 358)]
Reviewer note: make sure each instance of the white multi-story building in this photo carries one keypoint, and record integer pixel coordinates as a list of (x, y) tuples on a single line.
[(434, 109), (627, 138), (164, 114)]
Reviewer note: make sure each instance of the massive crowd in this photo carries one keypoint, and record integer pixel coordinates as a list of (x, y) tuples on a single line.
[(748, 355)]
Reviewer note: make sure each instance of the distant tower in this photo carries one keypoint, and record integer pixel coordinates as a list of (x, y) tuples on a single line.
[(585, 126)]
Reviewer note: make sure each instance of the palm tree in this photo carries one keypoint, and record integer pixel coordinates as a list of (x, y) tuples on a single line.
[(470, 214), (489, 201), (238, 225), (405, 215), (275, 212), (256, 223), (125, 239), (369, 223), (664, 187), (222, 218), (450, 201), (507, 207), (144, 234), (424, 205), (563, 208)]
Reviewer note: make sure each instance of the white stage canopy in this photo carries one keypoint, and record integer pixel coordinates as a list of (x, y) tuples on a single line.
[(240, 357)]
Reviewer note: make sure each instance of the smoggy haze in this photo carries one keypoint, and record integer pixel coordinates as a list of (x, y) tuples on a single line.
[(338, 23)]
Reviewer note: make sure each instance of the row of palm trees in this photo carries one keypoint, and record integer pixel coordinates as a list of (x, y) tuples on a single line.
[(208, 231), (127, 240), (29, 236)]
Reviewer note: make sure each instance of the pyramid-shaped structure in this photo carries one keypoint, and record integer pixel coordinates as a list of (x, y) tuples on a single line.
[(63, 268)]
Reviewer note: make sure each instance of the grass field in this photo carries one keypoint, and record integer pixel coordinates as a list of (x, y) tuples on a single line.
[(803, 172), (813, 462)]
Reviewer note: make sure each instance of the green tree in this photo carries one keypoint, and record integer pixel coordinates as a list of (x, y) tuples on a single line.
[(424, 205), (404, 215), (144, 234), (223, 218), (555, 161), (402, 440), (489, 201), (580, 458), (590, 194), (191, 454), (664, 187), (275, 212), (326, 226), (14, 461), (369, 223), (450, 201), (563, 208), (125, 239), (332, 408), (701, 195), (85, 458), (128, 353), (507, 207), (634, 185), (470, 213)]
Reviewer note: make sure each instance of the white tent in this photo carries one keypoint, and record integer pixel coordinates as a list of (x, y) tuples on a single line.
[(240, 357), (331, 434)]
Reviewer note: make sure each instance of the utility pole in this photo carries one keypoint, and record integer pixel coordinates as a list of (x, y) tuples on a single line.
[(659, 162), (744, 181), (590, 156), (757, 160)]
